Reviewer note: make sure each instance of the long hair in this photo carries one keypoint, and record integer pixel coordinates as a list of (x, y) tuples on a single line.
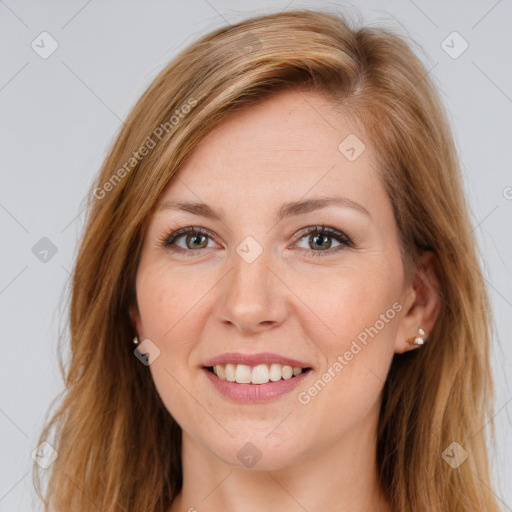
[(118, 447)]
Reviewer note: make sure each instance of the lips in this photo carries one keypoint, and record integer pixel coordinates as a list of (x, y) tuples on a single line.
[(254, 377)]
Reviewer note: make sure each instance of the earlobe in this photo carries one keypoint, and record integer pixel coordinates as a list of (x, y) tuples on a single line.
[(420, 318)]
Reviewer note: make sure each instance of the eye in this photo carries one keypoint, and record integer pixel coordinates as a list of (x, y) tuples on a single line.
[(196, 238), (193, 238), (320, 240)]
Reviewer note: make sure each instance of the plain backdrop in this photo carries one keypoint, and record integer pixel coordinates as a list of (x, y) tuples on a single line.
[(61, 111)]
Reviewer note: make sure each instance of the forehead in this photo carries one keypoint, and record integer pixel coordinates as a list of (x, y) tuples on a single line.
[(284, 147)]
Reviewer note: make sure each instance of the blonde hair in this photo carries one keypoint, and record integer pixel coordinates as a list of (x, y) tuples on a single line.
[(119, 448)]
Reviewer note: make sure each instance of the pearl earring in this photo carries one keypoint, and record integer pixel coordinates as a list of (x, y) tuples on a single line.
[(417, 340)]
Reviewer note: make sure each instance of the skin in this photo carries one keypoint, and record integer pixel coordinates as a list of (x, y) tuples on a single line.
[(315, 456)]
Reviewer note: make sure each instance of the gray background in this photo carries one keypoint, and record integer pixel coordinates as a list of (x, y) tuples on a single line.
[(60, 114)]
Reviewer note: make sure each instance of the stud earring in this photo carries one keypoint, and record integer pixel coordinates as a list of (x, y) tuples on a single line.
[(417, 340), (135, 340)]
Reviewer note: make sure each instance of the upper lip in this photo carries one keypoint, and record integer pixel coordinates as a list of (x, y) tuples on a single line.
[(254, 359)]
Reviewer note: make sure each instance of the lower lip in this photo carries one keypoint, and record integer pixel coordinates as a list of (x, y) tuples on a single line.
[(255, 393)]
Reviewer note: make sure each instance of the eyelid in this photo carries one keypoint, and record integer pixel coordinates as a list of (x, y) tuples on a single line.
[(327, 230), (173, 234)]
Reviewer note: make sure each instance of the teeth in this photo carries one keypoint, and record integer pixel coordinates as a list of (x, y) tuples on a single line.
[(260, 374), (243, 374), (230, 372), (276, 372), (221, 372), (287, 372)]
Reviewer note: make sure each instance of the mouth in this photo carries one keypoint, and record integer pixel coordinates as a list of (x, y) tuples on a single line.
[(258, 374), (254, 378)]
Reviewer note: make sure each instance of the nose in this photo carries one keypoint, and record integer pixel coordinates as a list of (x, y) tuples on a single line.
[(253, 298)]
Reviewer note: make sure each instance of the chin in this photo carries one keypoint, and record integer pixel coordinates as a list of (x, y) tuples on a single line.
[(257, 452)]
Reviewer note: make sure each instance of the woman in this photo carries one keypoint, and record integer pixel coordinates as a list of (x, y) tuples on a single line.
[(277, 303)]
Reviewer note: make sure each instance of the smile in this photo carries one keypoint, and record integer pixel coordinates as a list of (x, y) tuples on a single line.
[(254, 378), (259, 374)]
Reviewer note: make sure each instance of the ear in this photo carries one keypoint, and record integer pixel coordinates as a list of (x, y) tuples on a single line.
[(422, 303), (135, 319)]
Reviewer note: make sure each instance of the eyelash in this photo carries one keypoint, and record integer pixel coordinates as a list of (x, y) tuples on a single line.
[(168, 240)]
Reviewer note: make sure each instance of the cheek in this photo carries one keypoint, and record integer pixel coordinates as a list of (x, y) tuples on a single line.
[(348, 302), (168, 305), (168, 299), (359, 308), (169, 302)]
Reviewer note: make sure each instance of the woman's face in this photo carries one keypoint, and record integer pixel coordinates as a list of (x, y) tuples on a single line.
[(261, 286)]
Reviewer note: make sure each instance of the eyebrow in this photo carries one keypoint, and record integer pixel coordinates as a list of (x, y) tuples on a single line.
[(286, 210)]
